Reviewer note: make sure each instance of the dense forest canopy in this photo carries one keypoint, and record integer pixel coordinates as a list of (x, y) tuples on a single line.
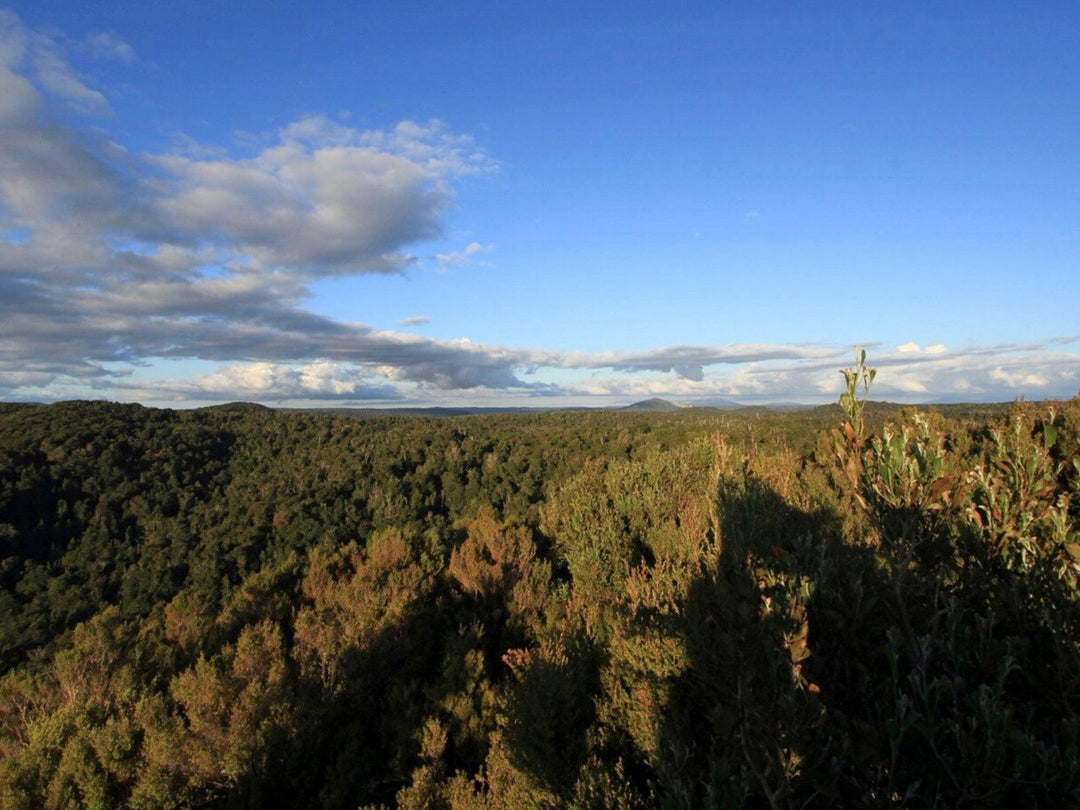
[(239, 607)]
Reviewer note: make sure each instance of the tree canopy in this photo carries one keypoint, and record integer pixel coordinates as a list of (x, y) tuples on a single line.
[(240, 607)]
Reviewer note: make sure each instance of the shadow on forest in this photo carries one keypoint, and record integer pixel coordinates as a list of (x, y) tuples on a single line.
[(746, 718), (821, 673), (812, 679), (353, 741)]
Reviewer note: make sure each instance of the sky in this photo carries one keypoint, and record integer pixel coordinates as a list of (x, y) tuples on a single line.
[(538, 205)]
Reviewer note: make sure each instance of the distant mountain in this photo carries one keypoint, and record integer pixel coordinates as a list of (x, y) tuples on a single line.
[(655, 405)]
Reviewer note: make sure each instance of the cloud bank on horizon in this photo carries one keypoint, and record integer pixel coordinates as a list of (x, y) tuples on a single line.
[(187, 276)]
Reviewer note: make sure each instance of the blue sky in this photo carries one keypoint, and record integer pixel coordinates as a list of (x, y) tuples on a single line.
[(546, 204)]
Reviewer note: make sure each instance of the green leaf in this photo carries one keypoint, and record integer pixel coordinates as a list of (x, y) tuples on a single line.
[(1049, 433)]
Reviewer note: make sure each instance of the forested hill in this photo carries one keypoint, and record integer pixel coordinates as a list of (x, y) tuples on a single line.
[(240, 607)]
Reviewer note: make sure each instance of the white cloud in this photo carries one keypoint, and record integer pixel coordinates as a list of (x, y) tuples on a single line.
[(322, 200), (462, 257), (107, 45), (1018, 379), (25, 51), (415, 320), (320, 380), (914, 348)]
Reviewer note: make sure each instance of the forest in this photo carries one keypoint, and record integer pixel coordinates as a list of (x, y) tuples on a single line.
[(859, 605)]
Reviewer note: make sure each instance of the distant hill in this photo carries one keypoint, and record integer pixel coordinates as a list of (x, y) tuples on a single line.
[(239, 407), (655, 405)]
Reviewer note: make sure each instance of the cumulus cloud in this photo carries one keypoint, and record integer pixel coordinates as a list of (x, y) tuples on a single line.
[(121, 257), (1019, 378), (464, 256), (107, 45), (24, 52), (323, 199), (914, 348), (321, 380)]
